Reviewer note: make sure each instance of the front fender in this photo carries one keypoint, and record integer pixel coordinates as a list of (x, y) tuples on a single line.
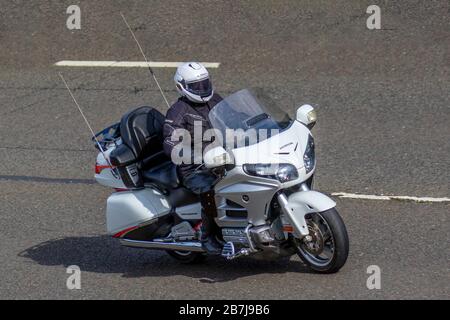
[(313, 199), (299, 204)]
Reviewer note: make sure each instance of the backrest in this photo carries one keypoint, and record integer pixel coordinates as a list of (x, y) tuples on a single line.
[(142, 131)]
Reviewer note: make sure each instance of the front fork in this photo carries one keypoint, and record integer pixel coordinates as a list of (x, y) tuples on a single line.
[(298, 222)]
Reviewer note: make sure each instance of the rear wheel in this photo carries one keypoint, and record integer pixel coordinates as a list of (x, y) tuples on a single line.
[(187, 257), (326, 247)]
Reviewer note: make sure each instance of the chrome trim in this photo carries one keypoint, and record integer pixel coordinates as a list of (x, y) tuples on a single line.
[(250, 241), (178, 246), (304, 187)]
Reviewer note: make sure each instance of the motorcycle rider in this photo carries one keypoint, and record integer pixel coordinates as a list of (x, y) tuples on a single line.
[(192, 108)]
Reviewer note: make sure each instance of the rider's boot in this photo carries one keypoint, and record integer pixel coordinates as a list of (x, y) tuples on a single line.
[(208, 238)]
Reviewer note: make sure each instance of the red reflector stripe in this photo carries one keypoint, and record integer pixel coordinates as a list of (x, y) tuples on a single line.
[(288, 228), (99, 168), (123, 232)]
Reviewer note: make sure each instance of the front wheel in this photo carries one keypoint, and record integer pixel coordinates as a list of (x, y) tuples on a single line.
[(326, 247)]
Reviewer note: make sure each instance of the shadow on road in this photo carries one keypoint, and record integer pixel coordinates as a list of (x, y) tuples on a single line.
[(102, 254)]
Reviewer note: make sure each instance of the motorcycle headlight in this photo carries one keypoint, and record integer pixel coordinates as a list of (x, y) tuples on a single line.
[(282, 172), (309, 157)]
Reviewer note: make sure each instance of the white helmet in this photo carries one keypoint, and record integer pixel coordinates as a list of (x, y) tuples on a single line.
[(192, 81)]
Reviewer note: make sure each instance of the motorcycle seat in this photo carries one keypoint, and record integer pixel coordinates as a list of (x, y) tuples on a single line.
[(164, 176), (142, 134)]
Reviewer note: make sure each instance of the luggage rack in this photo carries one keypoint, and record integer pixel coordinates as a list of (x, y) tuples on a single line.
[(108, 135)]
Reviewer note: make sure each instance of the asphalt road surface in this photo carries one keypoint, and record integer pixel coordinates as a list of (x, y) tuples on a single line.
[(382, 98)]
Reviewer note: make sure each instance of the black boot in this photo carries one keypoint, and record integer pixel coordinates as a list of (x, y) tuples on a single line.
[(211, 246), (208, 239)]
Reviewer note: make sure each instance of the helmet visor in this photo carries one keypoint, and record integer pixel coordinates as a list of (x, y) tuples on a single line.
[(203, 88)]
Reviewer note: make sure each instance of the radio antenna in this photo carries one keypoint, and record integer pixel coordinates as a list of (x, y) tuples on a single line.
[(145, 58), (89, 126)]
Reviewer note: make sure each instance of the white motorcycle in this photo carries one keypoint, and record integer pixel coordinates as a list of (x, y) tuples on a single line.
[(265, 203)]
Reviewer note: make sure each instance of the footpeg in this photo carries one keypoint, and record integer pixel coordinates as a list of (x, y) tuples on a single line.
[(229, 252)]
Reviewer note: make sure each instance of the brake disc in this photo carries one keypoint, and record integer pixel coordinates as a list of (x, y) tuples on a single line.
[(314, 242)]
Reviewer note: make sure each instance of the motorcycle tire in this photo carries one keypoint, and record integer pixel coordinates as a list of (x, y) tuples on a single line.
[(187, 257), (341, 245)]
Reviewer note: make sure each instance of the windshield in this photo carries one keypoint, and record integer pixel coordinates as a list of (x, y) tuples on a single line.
[(250, 116)]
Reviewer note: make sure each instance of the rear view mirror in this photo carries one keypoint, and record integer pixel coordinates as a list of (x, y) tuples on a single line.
[(306, 115), (217, 157)]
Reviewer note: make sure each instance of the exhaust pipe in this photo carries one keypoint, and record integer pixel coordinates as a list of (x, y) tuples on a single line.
[(177, 246)]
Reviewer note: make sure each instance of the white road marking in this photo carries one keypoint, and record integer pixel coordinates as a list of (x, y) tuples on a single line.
[(127, 64), (375, 197)]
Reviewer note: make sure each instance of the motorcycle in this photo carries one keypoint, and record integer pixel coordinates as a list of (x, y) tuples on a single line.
[(266, 205)]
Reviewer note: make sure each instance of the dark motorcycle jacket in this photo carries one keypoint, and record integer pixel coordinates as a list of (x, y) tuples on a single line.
[(182, 115)]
